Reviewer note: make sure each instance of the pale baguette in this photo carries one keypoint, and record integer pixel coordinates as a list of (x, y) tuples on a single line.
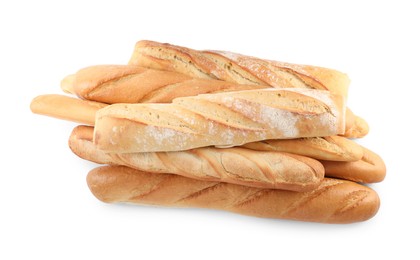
[(67, 108), (223, 119), (333, 201), (242, 166), (333, 148)]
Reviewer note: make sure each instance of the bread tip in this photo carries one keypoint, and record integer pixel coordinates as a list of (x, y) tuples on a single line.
[(362, 205), (95, 179), (371, 206), (67, 84), (362, 126), (36, 103), (32, 105)]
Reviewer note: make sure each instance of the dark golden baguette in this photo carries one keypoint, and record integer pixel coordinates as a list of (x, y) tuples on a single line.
[(333, 201)]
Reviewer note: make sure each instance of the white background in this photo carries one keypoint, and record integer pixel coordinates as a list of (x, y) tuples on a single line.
[(47, 211)]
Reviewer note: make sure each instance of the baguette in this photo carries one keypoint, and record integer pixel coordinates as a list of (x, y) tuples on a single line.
[(242, 69), (333, 148), (81, 143), (67, 108), (333, 201), (237, 68), (242, 166), (223, 119), (133, 84), (370, 169)]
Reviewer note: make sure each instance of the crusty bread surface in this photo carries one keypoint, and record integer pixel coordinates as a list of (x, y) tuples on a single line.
[(262, 169), (223, 119), (333, 201), (369, 169), (237, 68), (331, 148), (133, 84)]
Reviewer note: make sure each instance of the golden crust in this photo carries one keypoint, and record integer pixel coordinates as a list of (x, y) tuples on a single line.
[(332, 148), (236, 68), (333, 201), (67, 108), (370, 169)]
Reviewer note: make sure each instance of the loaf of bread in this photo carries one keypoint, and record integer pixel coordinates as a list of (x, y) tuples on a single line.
[(237, 68), (133, 84), (67, 108), (370, 169), (332, 148), (220, 130), (242, 69), (333, 201), (198, 160), (223, 119), (274, 170)]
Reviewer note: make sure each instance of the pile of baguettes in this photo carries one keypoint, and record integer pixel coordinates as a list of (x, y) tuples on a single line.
[(213, 129)]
